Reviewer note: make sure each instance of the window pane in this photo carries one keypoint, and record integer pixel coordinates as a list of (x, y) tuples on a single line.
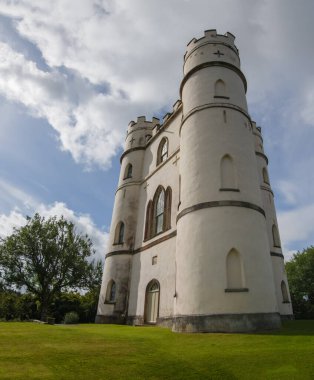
[(121, 233), (113, 292), (159, 223), (164, 151), (160, 204)]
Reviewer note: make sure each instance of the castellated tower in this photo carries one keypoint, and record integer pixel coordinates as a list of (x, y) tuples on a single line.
[(194, 241)]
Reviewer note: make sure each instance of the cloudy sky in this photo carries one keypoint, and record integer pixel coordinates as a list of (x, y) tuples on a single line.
[(74, 73)]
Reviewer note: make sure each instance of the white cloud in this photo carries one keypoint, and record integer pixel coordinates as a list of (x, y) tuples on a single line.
[(8, 222), (83, 223), (28, 206), (137, 47), (12, 195), (289, 191), (297, 225)]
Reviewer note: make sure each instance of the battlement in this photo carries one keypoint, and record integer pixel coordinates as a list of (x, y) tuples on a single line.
[(211, 36), (141, 122)]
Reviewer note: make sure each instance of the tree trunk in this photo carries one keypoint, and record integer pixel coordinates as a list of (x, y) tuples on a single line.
[(43, 311)]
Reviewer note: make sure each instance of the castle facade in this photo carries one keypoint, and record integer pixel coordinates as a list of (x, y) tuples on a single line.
[(194, 242)]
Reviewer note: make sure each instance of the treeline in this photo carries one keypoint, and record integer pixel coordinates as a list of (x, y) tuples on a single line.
[(15, 306), (300, 272)]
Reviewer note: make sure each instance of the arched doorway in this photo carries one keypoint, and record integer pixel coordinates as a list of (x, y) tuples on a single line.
[(152, 302)]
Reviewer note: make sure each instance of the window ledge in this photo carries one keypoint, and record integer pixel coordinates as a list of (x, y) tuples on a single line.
[(285, 301), (277, 246), (159, 233), (118, 243), (229, 189), (236, 290), (110, 302), (221, 97)]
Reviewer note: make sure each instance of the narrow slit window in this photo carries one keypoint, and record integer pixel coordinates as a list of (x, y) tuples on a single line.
[(128, 171), (162, 153), (119, 233)]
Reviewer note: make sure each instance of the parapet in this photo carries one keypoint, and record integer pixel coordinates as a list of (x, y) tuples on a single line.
[(142, 124), (211, 36)]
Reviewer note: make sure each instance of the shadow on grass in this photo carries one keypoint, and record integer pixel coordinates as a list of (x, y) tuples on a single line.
[(292, 328)]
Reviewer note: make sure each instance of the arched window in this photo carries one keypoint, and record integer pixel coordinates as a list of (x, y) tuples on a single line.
[(220, 88), (128, 171), (162, 152), (152, 302), (265, 176), (235, 278), (148, 220), (160, 212), (227, 173), (276, 240), (111, 291), (168, 208), (119, 233), (284, 292)]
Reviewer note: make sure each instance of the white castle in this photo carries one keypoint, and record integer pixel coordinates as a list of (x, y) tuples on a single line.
[(194, 242)]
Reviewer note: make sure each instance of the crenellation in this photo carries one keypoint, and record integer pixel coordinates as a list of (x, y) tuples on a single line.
[(211, 37)]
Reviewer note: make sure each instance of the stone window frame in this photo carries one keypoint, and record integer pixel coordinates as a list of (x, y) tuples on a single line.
[(111, 292), (128, 171), (162, 151), (151, 213), (119, 233)]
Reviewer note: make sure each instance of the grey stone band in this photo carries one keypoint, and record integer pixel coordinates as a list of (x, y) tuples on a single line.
[(263, 156), (131, 150), (277, 254), (211, 64), (214, 105), (201, 206), (227, 322), (141, 249), (115, 253)]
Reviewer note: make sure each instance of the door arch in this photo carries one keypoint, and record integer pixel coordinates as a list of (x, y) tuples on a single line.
[(152, 302)]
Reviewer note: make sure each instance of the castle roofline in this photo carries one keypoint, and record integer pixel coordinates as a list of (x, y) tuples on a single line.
[(211, 36)]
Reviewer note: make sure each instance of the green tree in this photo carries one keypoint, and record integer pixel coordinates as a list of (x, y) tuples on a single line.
[(45, 258), (300, 272)]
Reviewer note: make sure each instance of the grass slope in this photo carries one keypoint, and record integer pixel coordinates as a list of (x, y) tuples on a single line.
[(31, 351)]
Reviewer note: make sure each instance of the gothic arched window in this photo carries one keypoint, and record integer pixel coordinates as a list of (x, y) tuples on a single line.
[(284, 292), (128, 171), (158, 213), (148, 220), (220, 88), (276, 240), (119, 233), (111, 291), (162, 152), (265, 176), (235, 278), (227, 173)]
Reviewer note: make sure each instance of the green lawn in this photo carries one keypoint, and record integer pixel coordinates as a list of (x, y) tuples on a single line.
[(32, 351)]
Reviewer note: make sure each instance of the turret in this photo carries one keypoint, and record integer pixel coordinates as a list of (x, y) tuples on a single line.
[(113, 300), (224, 271), (277, 258)]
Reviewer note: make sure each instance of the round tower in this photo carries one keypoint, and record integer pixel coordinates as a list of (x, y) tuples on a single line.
[(279, 272), (224, 272), (113, 299)]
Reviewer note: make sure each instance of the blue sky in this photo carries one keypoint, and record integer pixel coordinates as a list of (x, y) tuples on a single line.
[(73, 74)]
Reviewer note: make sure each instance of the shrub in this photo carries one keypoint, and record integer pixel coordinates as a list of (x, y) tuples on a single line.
[(71, 318)]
